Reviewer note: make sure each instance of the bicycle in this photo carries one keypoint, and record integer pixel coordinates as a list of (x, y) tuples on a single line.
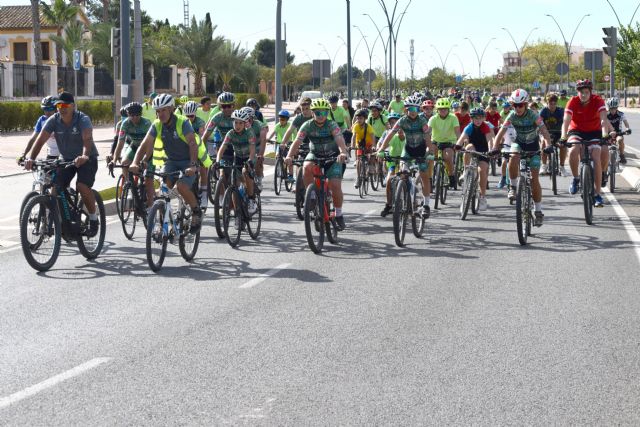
[(614, 162), (470, 187), (440, 176), (319, 213), (235, 209), (164, 224), (524, 197), (132, 206), (218, 195), (299, 183), (281, 173), (458, 168), (51, 216), (554, 167), (39, 186), (376, 177), (362, 173), (407, 198)]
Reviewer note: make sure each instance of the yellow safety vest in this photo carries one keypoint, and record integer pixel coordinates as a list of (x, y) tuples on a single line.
[(160, 156)]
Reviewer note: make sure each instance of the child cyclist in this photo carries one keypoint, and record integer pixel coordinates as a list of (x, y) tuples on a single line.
[(362, 139), (279, 131), (616, 116), (396, 147), (445, 131)]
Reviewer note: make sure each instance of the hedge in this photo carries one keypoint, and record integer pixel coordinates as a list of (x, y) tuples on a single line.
[(22, 116), (241, 98)]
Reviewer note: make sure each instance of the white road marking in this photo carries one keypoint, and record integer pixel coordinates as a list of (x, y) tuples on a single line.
[(8, 243), (9, 227), (261, 278), (635, 150), (37, 388), (632, 231), (369, 213), (9, 218)]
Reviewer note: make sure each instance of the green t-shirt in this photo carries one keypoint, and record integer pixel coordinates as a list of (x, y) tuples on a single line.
[(241, 142), (135, 132), (148, 112), (562, 102), (198, 124), (443, 130), (280, 131), (203, 115), (340, 116), (379, 125), (397, 107)]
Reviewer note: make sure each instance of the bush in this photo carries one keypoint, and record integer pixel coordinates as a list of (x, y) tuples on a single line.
[(241, 98), (22, 116)]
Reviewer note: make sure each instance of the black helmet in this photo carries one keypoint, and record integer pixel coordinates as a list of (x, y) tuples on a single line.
[(333, 99), (48, 103), (123, 111), (134, 109), (253, 103)]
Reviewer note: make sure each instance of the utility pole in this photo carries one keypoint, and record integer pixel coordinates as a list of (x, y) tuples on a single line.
[(138, 93), (125, 52), (611, 49), (279, 56), (349, 64), (412, 62)]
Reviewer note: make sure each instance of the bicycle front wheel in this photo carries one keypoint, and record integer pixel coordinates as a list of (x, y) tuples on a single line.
[(586, 180), (254, 222), (278, 177), (330, 226), (361, 178), (467, 194), (300, 193), (188, 242), (156, 243), (40, 233), (128, 217), (232, 216), (91, 245), (417, 217), (400, 212), (119, 189), (314, 219), (613, 167), (212, 179), (218, 201), (374, 178), (553, 172), (522, 216)]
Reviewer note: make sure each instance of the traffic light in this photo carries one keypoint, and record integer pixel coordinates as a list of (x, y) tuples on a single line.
[(115, 41), (611, 41)]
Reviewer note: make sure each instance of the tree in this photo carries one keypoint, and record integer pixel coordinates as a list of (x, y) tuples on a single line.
[(341, 73), (59, 14), (71, 40), (35, 20), (264, 53), (228, 61), (628, 56), (248, 74), (543, 57)]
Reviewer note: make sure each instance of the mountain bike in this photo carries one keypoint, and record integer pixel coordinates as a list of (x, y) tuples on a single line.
[(440, 176), (54, 215), (470, 186), (166, 223), (218, 194), (235, 208), (614, 162), (281, 172), (524, 197), (362, 173), (319, 213), (132, 205)]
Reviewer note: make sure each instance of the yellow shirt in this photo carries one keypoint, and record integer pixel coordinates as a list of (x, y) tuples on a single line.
[(358, 132)]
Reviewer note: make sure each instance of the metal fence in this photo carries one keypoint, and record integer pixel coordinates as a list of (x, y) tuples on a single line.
[(31, 80), (66, 80), (163, 78), (103, 82)]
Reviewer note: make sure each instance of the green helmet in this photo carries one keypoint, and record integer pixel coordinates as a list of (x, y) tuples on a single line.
[(320, 104), (184, 99), (443, 103)]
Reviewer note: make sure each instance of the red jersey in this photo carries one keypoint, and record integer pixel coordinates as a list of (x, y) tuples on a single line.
[(463, 120), (493, 118), (585, 117)]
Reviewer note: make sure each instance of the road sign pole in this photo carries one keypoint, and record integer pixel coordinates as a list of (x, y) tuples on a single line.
[(593, 70), (75, 83)]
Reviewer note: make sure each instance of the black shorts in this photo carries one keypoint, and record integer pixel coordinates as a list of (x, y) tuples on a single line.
[(419, 151), (86, 173), (586, 136)]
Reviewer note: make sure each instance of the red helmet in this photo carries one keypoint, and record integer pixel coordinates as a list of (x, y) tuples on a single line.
[(428, 103), (584, 84)]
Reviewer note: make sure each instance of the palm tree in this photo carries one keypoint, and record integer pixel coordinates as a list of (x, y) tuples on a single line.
[(71, 40), (228, 61), (199, 48), (35, 20), (60, 14), (248, 73)]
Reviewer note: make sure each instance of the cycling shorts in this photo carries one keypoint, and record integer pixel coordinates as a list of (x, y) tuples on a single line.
[(179, 165), (534, 162), (420, 151), (86, 173), (332, 170)]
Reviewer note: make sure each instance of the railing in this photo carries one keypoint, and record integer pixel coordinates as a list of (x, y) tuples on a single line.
[(31, 80)]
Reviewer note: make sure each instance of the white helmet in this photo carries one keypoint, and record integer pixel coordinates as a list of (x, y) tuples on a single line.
[(163, 100), (241, 114), (519, 96), (612, 103), (190, 108), (375, 104), (250, 111)]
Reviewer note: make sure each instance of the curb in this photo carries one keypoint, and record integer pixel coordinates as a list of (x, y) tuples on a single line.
[(632, 176)]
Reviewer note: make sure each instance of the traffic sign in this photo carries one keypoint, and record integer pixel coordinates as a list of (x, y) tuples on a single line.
[(500, 76), (562, 68), (607, 77), (369, 74), (536, 85), (76, 60), (458, 79)]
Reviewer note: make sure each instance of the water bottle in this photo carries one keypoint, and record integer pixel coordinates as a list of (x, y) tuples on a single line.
[(163, 188), (217, 136), (242, 192)]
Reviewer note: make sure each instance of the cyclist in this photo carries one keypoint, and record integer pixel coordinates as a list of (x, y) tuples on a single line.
[(123, 116), (325, 139), (253, 103), (397, 106), (477, 136), (563, 100), (463, 115), (348, 108), (445, 131), (279, 130), (171, 143), (585, 118), (338, 114), (221, 123), (616, 116), (552, 116), (396, 147), (260, 132), (243, 140), (362, 139), (528, 126), (304, 116), (492, 115), (73, 132), (427, 109), (190, 110), (204, 110), (147, 108), (48, 109), (416, 132), (506, 110)]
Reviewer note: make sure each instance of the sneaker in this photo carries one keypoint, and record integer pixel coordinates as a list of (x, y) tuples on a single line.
[(544, 169), (483, 205), (290, 179), (623, 159), (573, 189), (452, 181), (258, 182), (386, 211), (94, 226), (563, 171), (502, 183), (462, 177), (539, 218), (252, 206), (426, 211), (340, 222), (598, 202), (512, 194), (204, 200), (356, 184), (196, 221)]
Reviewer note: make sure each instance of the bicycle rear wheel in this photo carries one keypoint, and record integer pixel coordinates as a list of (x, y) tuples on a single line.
[(300, 194), (330, 227), (156, 243), (119, 188), (400, 213), (553, 172), (91, 246), (586, 180), (458, 168), (128, 216), (467, 194), (188, 242), (522, 216), (417, 217), (232, 216), (254, 221), (40, 233), (361, 178), (613, 168), (218, 201), (313, 219), (437, 184), (277, 176)]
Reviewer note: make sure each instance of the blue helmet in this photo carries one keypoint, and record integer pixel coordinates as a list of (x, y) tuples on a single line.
[(283, 113), (393, 115)]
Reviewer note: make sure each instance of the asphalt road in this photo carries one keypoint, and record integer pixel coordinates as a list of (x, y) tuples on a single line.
[(464, 326)]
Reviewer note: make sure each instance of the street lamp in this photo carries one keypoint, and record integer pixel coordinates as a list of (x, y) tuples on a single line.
[(461, 64), (384, 45), (370, 52), (331, 60), (567, 46), (479, 57), (519, 50)]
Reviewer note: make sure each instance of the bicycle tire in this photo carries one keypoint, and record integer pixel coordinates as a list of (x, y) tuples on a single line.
[(288, 185), (313, 219), (331, 227), (277, 177), (230, 206), (119, 187), (417, 219), (553, 172), (212, 179), (43, 204), (218, 201), (361, 178), (586, 182), (458, 167), (445, 186), (300, 195), (373, 178), (521, 215), (400, 213), (187, 242), (475, 200), (89, 247), (529, 210), (437, 183), (493, 165), (613, 167), (25, 200), (467, 195), (155, 233), (254, 222), (128, 217)]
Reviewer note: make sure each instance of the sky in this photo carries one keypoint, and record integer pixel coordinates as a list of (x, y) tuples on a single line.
[(443, 24)]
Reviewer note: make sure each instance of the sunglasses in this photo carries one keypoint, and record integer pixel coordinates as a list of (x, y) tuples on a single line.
[(191, 116), (305, 105), (225, 106), (63, 105), (413, 109), (321, 113), (134, 115), (520, 104)]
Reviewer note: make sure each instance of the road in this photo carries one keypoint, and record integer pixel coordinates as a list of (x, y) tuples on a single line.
[(464, 326)]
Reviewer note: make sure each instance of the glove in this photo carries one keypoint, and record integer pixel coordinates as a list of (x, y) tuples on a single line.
[(250, 163), (380, 154), (457, 147), (629, 131), (494, 152), (20, 159)]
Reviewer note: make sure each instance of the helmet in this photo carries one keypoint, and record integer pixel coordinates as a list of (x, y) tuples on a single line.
[(376, 104), (362, 112), (428, 103), (454, 105), (123, 111), (241, 114), (563, 92), (584, 84), (393, 116), (506, 105), (163, 100), (250, 111), (134, 109), (253, 103), (48, 103), (226, 98), (190, 108), (412, 101), (443, 103), (320, 104), (477, 112), (283, 113), (612, 103), (184, 99), (153, 95), (518, 96), (333, 99)]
